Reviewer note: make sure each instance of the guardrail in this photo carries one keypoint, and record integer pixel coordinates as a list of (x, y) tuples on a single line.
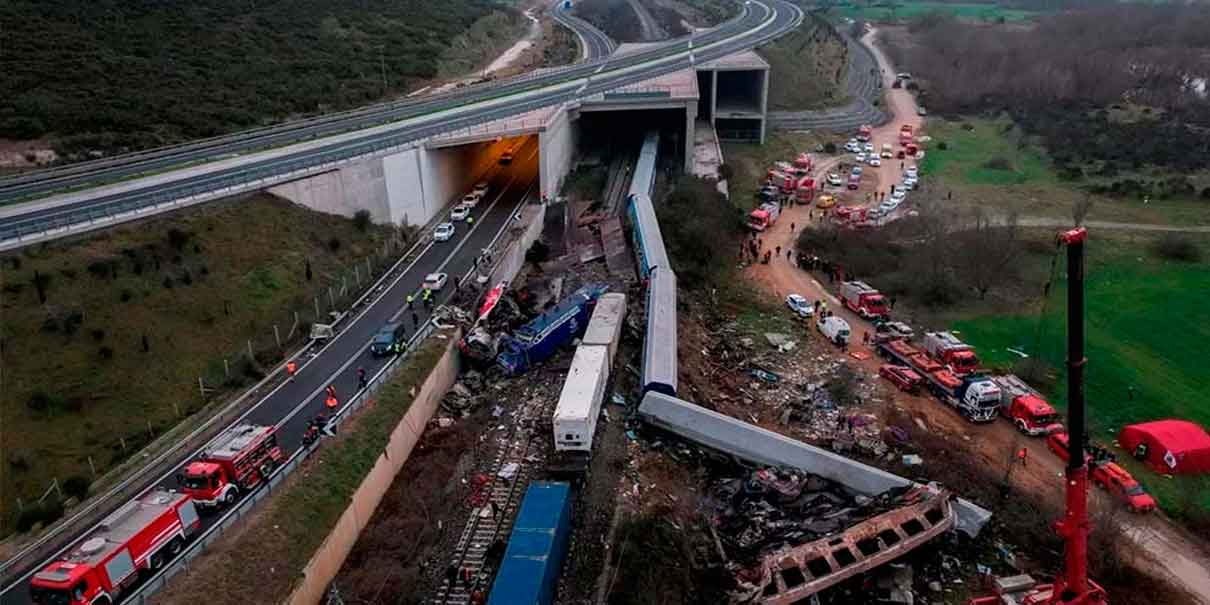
[(198, 545)]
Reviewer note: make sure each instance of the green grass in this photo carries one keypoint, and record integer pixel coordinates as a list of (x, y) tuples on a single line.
[(285, 534), (972, 152), (1143, 332), (806, 68), (907, 10), (239, 271)]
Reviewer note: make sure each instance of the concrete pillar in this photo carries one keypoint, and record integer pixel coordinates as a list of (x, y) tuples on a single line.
[(713, 97), (764, 103), (690, 128)]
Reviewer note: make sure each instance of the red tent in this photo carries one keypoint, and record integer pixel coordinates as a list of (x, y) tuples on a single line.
[(1169, 446)]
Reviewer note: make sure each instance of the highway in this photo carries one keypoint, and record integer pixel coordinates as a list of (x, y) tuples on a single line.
[(760, 21), (297, 401), (594, 44)]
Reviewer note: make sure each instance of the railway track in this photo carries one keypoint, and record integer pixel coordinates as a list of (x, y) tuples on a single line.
[(522, 447)]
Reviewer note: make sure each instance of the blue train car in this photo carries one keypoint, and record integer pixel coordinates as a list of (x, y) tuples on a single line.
[(541, 337), (659, 345), (536, 547), (648, 242)]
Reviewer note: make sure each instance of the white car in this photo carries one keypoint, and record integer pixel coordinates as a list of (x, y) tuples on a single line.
[(910, 183), (471, 200), (835, 180), (899, 195), (874, 161), (460, 212), (911, 173), (852, 146), (435, 281), (859, 158), (443, 232), (800, 305), (480, 189), (868, 148)]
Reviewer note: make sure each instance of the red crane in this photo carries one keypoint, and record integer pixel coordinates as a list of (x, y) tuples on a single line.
[(1072, 585)]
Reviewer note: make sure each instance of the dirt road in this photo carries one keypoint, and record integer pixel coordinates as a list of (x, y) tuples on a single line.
[(1170, 549)]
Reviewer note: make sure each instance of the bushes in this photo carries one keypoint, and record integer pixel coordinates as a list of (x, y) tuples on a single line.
[(362, 221), (43, 513), (76, 487), (701, 230), (1174, 246)]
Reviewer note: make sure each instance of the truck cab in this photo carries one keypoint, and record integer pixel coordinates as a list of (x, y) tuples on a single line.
[(864, 300), (759, 220), (956, 355), (1033, 416), (239, 460)]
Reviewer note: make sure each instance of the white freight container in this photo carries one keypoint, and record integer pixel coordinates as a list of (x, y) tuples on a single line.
[(605, 326), (580, 403)]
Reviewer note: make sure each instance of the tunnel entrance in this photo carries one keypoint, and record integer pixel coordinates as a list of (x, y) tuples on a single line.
[(606, 135)]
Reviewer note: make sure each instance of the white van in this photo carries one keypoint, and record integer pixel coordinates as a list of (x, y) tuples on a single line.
[(834, 329)]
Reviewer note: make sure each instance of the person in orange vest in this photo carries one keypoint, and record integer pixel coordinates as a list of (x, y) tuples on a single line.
[(1023, 456), (331, 402), (291, 368)]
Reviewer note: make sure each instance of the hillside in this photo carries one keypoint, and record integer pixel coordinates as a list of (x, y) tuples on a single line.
[(105, 337), (115, 75)]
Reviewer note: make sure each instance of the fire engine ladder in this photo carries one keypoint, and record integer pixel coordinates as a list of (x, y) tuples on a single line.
[(479, 533)]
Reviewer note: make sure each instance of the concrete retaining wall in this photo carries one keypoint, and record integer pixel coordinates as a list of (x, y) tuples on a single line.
[(327, 561), (513, 257), (557, 145)]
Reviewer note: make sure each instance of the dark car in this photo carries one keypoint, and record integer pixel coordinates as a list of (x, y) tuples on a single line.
[(388, 337)]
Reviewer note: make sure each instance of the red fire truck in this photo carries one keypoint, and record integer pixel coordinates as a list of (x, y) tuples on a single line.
[(239, 460), (143, 535)]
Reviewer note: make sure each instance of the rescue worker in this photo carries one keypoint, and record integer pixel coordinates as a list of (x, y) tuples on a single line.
[(1023, 456), (470, 220), (411, 299), (291, 368), (426, 295), (361, 378), (331, 390), (331, 402)]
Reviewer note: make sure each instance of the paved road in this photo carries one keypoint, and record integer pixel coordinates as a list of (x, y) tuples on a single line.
[(594, 44), (862, 86), (293, 404), (412, 120)]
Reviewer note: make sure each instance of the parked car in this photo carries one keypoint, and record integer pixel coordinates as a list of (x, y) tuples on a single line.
[(385, 340), (1117, 481), (859, 158), (825, 201), (1057, 442), (911, 173), (874, 161), (898, 196), (460, 212), (800, 305), (835, 180), (852, 146), (856, 171), (868, 148), (436, 281), (920, 111), (910, 183), (904, 378), (443, 232)]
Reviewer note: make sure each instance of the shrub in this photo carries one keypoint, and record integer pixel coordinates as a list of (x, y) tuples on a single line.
[(829, 147), (725, 172), (99, 269), (177, 239), (98, 335), (998, 163), (72, 322), (334, 244), (106, 353), (187, 278), (40, 512), (167, 283), (76, 487), (41, 401), (362, 221), (50, 324), (942, 145), (126, 296), (1177, 247), (42, 284)]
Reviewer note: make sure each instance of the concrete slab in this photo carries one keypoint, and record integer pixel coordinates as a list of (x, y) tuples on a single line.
[(762, 446), (528, 123), (743, 60)]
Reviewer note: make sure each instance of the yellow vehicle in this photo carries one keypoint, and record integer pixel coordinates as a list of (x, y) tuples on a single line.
[(826, 201), (887, 153)]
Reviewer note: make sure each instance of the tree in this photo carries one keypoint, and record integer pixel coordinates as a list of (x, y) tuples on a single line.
[(989, 250)]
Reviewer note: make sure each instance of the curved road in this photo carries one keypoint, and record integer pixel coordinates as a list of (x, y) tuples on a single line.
[(24, 187), (862, 85), (594, 44), (290, 405)]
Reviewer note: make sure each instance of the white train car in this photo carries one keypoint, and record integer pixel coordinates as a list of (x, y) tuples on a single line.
[(575, 418), (605, 326)]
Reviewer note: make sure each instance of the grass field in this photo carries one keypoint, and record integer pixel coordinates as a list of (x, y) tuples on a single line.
[(1143, 335), (807, 68), (990, 163), (907, 10), (134, 315)]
